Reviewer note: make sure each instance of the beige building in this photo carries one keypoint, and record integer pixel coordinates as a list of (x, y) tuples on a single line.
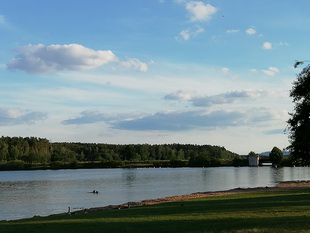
[(253, 160)]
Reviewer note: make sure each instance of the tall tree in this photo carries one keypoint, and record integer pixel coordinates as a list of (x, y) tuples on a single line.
[(276, 156), (4, 151), (299, 122)]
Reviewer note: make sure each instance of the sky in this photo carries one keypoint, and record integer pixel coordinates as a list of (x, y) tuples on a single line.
[(215, 72)]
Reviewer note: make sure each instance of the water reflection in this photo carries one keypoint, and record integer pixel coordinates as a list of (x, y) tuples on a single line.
[(254, 175), (130, 177), (236, 176), (277, 174)]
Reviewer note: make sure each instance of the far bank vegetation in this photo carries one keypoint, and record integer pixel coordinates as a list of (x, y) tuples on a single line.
[(40, 153)]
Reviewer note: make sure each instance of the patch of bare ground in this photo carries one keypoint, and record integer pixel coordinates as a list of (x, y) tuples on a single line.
[(294, 184)]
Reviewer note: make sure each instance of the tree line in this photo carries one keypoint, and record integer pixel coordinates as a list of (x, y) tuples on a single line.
[(32, 150)]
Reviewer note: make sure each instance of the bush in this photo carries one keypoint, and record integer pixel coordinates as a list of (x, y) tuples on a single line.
[(14, 165), (178, 163), (112, 164), (240, 162), (203, 161)]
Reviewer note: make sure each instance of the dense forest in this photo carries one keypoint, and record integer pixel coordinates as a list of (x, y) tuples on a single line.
[(32, 152)]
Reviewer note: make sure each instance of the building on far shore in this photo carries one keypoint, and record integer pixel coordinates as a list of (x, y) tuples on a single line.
[(253, 160)]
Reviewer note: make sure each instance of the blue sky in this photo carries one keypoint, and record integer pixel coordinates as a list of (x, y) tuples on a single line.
[(157, 71)]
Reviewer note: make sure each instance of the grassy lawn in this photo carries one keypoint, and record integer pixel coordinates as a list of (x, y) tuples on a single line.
[(265, 211)]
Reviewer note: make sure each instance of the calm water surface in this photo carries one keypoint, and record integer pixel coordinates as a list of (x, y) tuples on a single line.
[(24, 194)]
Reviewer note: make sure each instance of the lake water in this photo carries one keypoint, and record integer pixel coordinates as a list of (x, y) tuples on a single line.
[(24, 194)]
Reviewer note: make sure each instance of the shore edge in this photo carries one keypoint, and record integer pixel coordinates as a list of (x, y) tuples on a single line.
[(280, 186)]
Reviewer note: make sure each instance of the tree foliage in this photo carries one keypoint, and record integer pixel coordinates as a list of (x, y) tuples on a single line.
[(276, 156), (252, 153), (33, 150), (299, 122)]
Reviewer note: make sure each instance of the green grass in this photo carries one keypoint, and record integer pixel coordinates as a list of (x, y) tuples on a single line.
[(267, 211)]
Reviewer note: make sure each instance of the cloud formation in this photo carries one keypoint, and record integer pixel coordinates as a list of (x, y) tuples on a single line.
[(182, 120), (271, 71), (199, 11), (250, 31), (180, 95), (171, 121), (16, 116), (225, 98), (87, 117), (188, 33), (38, 59), (135, 64), (232, 30), (175, 121), (267, 45), (225, 70)]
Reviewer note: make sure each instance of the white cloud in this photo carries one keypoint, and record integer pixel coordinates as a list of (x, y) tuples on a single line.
[(267, 45), (229, 97), (253, 70), (260, 115), (271, 71), (16, 116), (176, 121), (39, 58), (220, 99), (225, 70), (179, 95), (187, 34), (198, 30), (250, 31), (232, 30), (284, 44), (87, 117), (183, 120), (168, 120), (199, 11), (135, 64)]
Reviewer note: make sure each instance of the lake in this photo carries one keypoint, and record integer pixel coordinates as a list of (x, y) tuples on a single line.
[(28, 193)]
